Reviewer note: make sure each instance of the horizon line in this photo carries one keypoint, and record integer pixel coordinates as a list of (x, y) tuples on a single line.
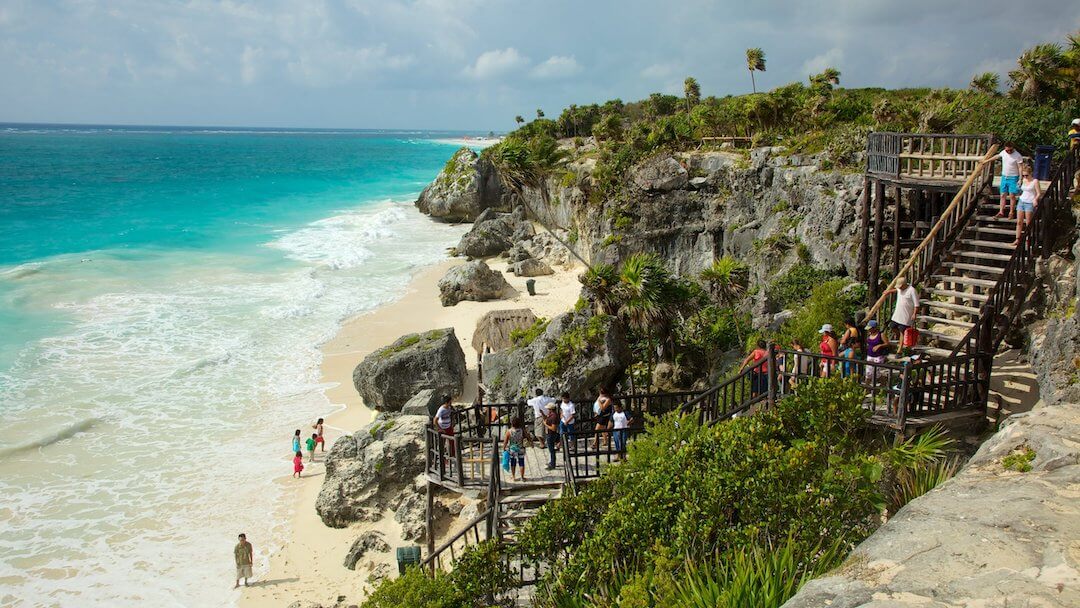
[(237, 127)]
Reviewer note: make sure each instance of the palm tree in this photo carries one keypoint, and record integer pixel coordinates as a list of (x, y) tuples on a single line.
[(600, 284), (826, 80), (1037, 71), (755, 62), (647, 298), (539, 113), (518, 119), (727, 280), (693, 92), (987, 82)]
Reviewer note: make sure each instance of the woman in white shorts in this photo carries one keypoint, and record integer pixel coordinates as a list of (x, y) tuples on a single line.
[(1029, 199)]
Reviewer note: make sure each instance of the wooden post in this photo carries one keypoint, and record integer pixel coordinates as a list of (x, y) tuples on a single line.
[(430, 526), (896, 230), (901, 413), (875, 255), (864, 234), (770, 369)]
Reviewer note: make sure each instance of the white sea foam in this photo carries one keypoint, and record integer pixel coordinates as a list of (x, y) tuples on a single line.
[(196, 374)]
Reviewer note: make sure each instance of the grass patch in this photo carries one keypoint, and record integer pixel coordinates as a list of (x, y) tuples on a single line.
[(1019, 460)]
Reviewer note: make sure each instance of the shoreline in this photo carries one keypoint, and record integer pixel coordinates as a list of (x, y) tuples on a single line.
[(309, 565)]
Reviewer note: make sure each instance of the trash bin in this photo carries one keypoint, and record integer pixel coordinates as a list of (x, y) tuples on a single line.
[(531, 286), (407, 556), (1043, 155)]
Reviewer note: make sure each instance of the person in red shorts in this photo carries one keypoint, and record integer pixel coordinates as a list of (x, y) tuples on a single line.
[(318, 426)]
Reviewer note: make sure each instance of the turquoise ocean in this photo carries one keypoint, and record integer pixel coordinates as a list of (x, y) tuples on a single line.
[(163, 294)]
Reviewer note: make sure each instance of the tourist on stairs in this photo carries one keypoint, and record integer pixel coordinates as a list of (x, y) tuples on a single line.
[(514, 443), (877, 346), (567, 417), (758, 380), (602, 415), (1029, 199), (828, 347), (851, 345), (551, 425), (539, 405), (1074, 145), (1010, 178), (907, 306)]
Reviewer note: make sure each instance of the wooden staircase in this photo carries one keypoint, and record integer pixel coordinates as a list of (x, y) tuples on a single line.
[(952, 298)]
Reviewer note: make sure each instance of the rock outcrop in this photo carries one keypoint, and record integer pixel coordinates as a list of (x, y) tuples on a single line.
[(369, 471), (424, 403), (493, 329), (531, 267), (471, 281), (371, 540), (492, 233), (389, 377), (987, 537), (465, 187), (578, 352), (660, 174)]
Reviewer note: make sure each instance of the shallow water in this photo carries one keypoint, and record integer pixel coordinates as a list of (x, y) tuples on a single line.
[(162, 297)]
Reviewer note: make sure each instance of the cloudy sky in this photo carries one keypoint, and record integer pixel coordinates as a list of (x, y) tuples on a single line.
[(471, 64)]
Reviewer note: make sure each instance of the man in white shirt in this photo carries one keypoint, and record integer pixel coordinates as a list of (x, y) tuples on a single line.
[(566, 417), (539, 408), (907, 305), (1011, 161)]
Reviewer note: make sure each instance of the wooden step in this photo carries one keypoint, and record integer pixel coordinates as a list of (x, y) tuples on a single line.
[(990, 244), (973, 267), (987, 230), (929, 335), (954, 322), (933, 352), (962, 280), (995, 219), (978, 297), (960, 308), (985, 255)]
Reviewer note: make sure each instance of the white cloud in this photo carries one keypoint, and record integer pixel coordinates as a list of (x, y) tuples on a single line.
[(659, 71), (556, 66), (496, 63), (832, 58), (328, 65), (249, 64)]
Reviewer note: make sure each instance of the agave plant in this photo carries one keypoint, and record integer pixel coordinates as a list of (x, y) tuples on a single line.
[(913, 483)]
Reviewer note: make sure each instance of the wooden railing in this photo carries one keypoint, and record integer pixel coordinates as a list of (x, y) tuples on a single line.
[(925, 156), (458, 458), (474, 533), (1007, 296), (926, 257)]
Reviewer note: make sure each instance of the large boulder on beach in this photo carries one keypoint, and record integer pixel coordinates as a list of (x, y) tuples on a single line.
[(466, 186), (369, 541), (578, 352), (492, 233), (493, 329), (389, 377), (531, 267), (372, 470), (471, 281)]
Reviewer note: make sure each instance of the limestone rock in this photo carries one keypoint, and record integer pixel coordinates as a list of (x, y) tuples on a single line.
[(510, 374), (367, 472), (424, 403), (471, 281), (491, 234), (389, 377), (493, 329), (463, 189), (660, 174), (378, 573), (368, 541), (531, 267)]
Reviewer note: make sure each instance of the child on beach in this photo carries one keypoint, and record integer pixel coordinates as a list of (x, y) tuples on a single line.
[(296, 441), (311, 446), (298, 464), (318, 426)]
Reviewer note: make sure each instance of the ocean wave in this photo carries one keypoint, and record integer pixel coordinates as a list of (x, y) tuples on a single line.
[(21, 271), (67, 432), (345, 240)]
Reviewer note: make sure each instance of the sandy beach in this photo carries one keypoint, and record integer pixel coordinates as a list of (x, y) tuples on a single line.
[(309, 566)]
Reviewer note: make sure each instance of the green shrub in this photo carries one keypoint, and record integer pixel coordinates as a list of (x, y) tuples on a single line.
[(524, 336), (414, 589), (1019, 460), (794, 287), (575, 343)]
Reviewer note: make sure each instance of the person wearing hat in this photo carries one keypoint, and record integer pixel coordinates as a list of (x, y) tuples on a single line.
[(551, 426), (828, 347), (907, 305), (539, 407), (877, 346)]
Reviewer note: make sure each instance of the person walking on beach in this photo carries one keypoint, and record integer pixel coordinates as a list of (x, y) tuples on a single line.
[(311, 447), (567, 417), (296, 441), (539, 405), (602, 410), (551, 437), (298, 464), (907, 306), (318, 426), (243, 553), (1010, 178), (620, 421), (443, 420), (829, 348), (1030, 193), (514, 443)]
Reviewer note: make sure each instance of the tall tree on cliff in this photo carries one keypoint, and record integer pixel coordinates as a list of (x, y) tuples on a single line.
[(519, 120), (755, 62), (693, 92), (539, 113)]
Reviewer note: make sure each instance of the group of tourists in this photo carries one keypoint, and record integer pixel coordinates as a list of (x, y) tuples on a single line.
[(316, 440), (1020, 191)]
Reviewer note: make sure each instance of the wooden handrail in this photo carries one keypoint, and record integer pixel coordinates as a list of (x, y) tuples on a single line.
[(943, 221), (475, 523)]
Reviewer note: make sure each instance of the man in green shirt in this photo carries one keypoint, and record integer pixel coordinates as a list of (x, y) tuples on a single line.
[(243, 553)]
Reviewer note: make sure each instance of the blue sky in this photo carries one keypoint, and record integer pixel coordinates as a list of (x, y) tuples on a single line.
[(471, 64)]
